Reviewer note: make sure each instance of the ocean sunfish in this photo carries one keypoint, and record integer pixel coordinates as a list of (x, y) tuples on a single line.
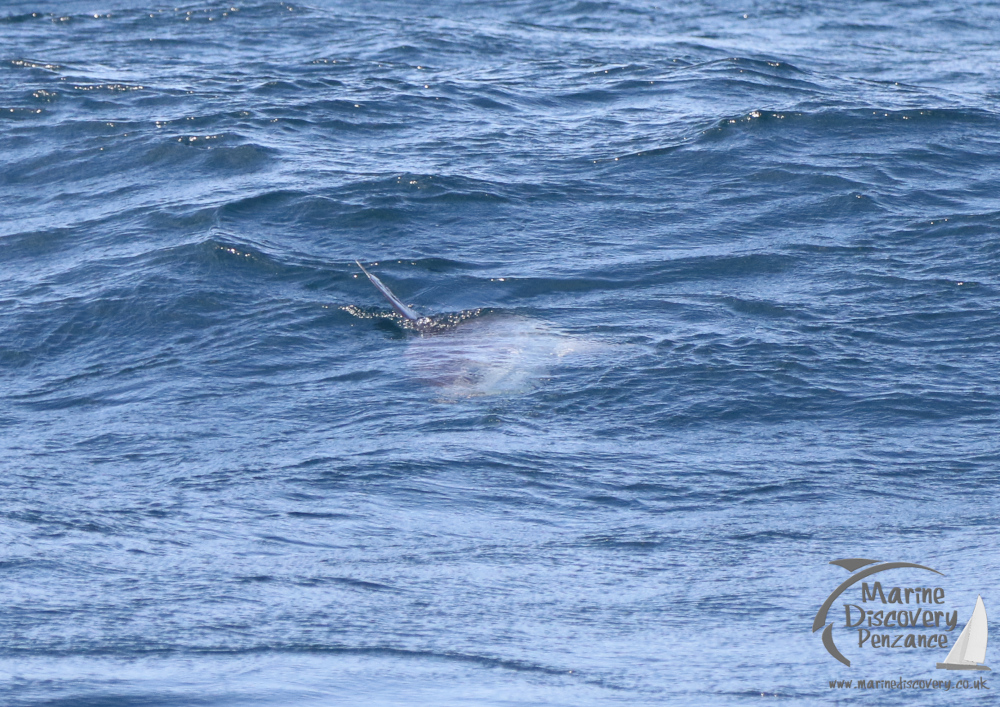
[(489, 353)]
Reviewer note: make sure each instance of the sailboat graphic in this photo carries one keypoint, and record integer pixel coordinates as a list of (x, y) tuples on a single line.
[(970, 648)]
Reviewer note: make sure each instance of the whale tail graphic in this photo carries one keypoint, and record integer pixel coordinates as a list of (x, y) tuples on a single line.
[(970, 648), (397, 304)]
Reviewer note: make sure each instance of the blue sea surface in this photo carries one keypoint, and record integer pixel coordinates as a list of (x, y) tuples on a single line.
[(723, 293)]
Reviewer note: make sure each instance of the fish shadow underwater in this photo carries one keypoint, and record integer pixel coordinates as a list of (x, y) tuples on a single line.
[(478, 352)]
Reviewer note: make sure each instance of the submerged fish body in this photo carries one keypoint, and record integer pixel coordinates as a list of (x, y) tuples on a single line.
[(478, 352), (488, 355)]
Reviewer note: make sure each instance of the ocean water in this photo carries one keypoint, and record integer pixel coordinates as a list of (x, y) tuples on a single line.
[(723, 280)]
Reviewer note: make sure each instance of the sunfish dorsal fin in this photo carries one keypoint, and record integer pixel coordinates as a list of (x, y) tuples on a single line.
[(401, 309)]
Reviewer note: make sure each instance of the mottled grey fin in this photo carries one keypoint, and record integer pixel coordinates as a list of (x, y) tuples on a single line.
[(401, 309)]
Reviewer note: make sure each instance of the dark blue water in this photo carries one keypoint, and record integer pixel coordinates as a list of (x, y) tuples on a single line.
[(728, 276)]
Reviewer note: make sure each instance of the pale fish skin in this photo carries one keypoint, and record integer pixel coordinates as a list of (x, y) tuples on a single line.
[(492, 354), (473, 353)]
